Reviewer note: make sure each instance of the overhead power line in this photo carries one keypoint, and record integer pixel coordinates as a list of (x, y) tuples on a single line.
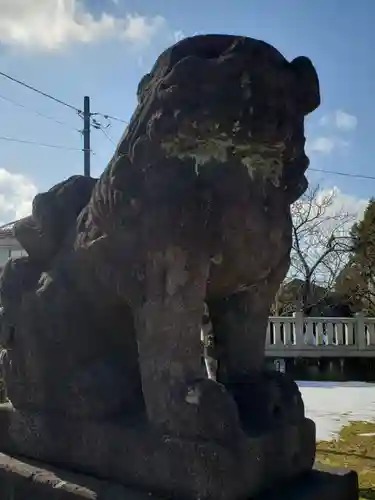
[(86, 115), (109, 117), (345, 174), (49, 96), (107, 136), (24, 141), (38, 113)]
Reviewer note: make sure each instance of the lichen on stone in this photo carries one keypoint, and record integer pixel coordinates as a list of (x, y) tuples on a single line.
[(201, 151), (246, 86), (263, 159)]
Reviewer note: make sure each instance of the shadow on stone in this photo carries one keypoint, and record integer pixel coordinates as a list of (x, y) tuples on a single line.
[(101, 322)]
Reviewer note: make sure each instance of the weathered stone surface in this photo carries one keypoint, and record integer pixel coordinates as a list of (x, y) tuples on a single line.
[(136, 455), (101, 323), (54, 215), (23, 479), (327, 483)]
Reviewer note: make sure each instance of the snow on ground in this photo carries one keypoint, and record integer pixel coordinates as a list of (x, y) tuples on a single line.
[(333, 404)]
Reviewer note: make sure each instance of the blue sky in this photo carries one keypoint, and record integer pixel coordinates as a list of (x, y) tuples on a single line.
[(101, 48)]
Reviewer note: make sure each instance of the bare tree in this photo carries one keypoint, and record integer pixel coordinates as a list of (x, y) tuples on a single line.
[(356, 282), (321, 244)]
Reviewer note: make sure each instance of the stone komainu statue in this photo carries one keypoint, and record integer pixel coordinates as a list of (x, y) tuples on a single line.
[(105, 312)]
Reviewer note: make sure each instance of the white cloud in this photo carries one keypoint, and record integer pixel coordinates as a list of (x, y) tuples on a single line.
[(16, 196), (319, 215), (345, 121), (52, 24), (343, 203), (331, 205), (326, 144), (340, 120), (138, 29), (178, 35), (322, 145)]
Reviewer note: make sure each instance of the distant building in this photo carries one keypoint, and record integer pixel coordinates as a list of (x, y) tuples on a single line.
[(9, 246)]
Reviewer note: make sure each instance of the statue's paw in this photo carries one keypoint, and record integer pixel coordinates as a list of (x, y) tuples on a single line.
[(207, 412), (267, 399)]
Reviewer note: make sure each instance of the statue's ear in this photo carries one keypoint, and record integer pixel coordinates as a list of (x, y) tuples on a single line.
[(307, 84), (142, 86)]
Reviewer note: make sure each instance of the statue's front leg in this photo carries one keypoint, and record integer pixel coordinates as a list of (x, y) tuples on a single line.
[(179, 397), (264, 398)]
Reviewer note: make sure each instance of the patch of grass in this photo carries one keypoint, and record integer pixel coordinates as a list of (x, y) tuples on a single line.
[(353, 449)]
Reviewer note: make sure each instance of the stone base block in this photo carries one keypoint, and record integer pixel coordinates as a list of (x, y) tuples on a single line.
[(25, 479), (137, 456), (328, 483)]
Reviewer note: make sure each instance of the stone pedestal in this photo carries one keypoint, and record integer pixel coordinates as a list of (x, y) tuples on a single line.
[(136, 456), (22, 479)]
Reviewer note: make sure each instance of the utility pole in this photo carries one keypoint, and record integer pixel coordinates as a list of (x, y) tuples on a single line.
[(86, 136)]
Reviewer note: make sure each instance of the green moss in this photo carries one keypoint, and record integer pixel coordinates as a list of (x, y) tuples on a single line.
[(353, 449)]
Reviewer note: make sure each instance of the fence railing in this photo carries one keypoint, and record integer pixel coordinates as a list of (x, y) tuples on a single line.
[(308, 336)]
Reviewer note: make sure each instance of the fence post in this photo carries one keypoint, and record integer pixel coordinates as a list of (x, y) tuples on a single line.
[(298, 326), (361, 339)]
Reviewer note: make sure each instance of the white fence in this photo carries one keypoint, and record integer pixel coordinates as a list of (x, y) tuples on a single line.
[(318, 337)]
